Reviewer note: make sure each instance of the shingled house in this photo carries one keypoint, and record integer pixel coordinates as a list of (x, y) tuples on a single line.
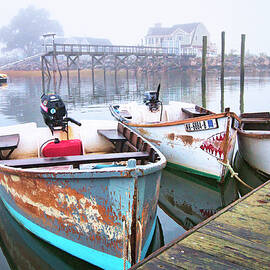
[(186, 37)]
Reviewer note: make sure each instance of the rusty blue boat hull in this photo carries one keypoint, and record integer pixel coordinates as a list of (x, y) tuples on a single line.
[(102, 214), (83, 213)]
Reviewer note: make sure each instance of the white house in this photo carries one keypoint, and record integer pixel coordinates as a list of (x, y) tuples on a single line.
[(186, 37)]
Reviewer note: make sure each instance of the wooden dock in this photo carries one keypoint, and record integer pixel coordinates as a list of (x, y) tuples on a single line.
[(237, 237)]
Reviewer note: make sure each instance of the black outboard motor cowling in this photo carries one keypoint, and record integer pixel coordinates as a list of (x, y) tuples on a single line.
[(151, 99), (54, 112)]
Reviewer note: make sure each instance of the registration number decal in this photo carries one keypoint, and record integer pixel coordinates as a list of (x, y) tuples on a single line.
[(202, 125)]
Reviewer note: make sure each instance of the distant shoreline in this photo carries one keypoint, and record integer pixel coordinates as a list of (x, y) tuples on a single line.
[(253, 65), (88, 73)]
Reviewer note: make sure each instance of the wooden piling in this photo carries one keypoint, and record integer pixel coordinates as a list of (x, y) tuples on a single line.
[(222, 70), (78, 70), (203, 76), (93, 74), (43, 77), (104, 77), (242, 72), (127, 77)]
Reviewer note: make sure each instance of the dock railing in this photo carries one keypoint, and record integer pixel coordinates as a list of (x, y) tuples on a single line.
[(58, 48)]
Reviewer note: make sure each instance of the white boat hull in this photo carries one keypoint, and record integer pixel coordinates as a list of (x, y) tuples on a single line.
[(196, 145), (183, 149), (254, 147)]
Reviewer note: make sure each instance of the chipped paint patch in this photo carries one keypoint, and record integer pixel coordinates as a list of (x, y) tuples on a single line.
[(15, 178), (144, 132), (171, 136), (186, 139), (154, 141), (70, 209)]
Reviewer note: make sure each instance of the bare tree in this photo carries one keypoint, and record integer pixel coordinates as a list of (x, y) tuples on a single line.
[(25, 30)]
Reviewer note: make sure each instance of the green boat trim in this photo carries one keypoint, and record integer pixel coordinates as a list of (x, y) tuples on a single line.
[(193, 171), (198, 177)]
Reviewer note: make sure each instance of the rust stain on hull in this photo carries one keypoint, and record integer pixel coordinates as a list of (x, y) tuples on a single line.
[(144, 132), (63, 210), (186, 139), (154, 141)]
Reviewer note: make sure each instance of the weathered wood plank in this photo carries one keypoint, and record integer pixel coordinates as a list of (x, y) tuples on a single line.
[(189, 258), (261, 214), (242, 221), (112, 135), (230, 252), (157, 264), (243, 236), (260, 199), (74, 160)]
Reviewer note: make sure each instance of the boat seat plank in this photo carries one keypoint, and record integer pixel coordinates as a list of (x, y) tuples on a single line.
[(113, 135), (255, 120), (126, 114), (74, 160), (192, 112), (8, 142)]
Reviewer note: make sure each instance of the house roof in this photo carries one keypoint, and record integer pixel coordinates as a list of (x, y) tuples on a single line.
[(157, 30)]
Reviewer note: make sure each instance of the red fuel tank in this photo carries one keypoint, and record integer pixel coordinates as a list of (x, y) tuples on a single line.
[(63, 148)]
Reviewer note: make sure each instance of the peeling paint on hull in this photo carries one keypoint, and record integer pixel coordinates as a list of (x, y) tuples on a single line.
[(189, 143), (83, 209), (190, 151)]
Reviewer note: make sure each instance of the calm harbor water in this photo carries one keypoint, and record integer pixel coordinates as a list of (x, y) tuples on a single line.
[(19, 103)]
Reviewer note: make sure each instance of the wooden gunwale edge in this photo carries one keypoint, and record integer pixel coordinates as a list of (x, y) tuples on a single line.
[(173, 123), (253, 135)]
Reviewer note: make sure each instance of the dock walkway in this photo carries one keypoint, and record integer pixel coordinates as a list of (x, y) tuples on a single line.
[(237, 237)]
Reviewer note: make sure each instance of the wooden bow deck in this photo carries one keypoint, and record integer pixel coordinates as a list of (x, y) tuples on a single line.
[(237, 237)]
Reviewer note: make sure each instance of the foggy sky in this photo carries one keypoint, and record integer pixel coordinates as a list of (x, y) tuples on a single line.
[(126, 22)]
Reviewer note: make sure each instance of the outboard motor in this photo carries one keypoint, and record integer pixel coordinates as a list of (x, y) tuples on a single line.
[(54, 113), (151, 100)]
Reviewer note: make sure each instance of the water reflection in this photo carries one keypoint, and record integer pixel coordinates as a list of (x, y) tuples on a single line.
[(19, 99), (249, 175), (190, 199)]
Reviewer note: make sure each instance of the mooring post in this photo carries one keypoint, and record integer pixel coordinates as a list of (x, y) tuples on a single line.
[(136, 78), (242, 72), (93, 74), (115, 73), (42, 72), (127, 79), (222, 70), (104, 76), (203, 82), (53, 63), (79, 68)]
